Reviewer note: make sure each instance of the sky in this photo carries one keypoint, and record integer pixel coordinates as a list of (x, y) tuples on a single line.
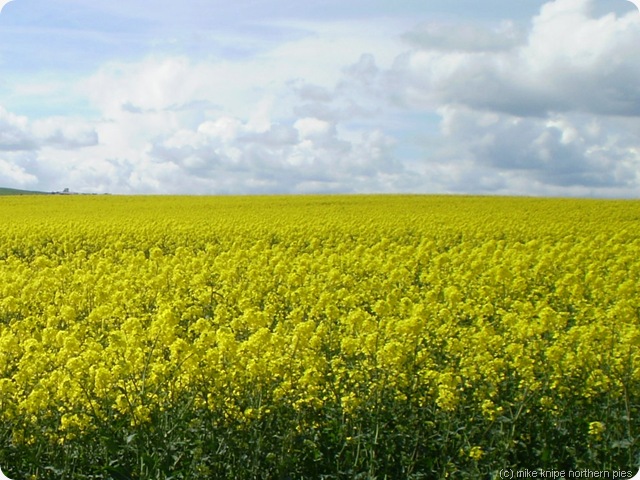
[(533, 97)]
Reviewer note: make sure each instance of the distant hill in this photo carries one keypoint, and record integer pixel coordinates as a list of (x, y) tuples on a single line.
[(15, 191)]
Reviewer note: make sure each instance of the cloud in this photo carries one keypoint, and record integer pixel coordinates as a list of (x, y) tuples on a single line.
[(559, 151), (309, 154), (358, 106), (14, 132), (64, 133), (215, 129), (3, 3), (27, 147), (14, 174), (552, 111), (363, 93), (465, 37), (18, 134), (570, 61)]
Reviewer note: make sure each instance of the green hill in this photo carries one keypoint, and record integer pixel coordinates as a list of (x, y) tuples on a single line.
[(15, 191)]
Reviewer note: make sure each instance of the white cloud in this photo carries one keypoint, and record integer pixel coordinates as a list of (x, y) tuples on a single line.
[(224, 128), (3, 3), (14, 174), (313, 128)]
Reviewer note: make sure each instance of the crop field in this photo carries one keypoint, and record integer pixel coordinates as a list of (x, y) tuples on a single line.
[(317, 336)]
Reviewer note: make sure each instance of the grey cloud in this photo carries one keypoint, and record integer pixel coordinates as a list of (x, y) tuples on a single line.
[(364, 70), (61, 140), (484, 82), (560, 152), (464, 37), (569, 61), (362, 93), (198, 161), (13, 139), (308, 155), (17, 134), (309, 92), (194, 105), (278, 135), (131, 108), (14, 133)]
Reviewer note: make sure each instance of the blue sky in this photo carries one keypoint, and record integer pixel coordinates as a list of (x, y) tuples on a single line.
[(264, 96)]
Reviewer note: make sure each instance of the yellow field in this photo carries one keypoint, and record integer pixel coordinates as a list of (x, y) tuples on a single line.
[(260, 337)]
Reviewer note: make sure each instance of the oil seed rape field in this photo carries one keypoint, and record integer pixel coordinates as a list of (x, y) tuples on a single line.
[(317, 336)]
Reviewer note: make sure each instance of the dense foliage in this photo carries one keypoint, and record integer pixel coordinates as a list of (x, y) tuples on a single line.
[(317, 337)]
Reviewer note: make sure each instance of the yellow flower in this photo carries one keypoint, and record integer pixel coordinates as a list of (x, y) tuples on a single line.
[(476, 453), (490, 411), (596, 429)]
